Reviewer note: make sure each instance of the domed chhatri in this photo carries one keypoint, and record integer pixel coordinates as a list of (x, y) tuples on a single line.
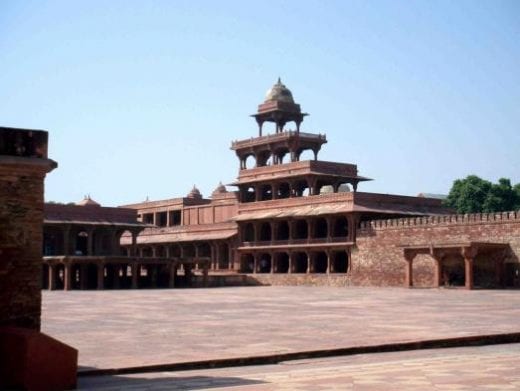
[(87, 201), (220, 189), (279, 107), (194, 193), (279, 92)]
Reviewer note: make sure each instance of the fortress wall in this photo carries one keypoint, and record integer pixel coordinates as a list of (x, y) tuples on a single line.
[(378, 258)]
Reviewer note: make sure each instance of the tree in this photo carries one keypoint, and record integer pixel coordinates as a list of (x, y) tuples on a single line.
[(474, 195)]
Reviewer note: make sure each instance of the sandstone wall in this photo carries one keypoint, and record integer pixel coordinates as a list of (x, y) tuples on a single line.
[(377, 258)]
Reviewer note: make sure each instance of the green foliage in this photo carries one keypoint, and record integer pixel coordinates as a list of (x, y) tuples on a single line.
[(474, 195)]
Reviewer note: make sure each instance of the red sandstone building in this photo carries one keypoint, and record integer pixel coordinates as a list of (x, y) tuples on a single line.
[(289, 221)]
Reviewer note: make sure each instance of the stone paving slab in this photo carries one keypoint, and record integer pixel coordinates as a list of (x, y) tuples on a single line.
[(114, 329), (494, 367)]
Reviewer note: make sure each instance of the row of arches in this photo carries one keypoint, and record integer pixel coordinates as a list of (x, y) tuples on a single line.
[(278, 156), (82, 240), (218, 253), (296, 188), (92, 275), (287, 230), (319, 262)]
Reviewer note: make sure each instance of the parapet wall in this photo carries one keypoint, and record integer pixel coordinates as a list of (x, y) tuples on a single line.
[(378, 257)]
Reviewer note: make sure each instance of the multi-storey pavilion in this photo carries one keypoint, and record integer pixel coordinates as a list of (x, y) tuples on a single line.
[(287, 216)]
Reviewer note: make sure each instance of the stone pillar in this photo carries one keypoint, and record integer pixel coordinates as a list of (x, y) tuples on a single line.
[(469, 254), (101, 276), (437, 274), (310, 263), (133, 251), (115, 276), (205, 274), (291, 259), (255, 260), (173, 273), (409, 256), (152, 269), (329, 263), (273, 230), (273, 263), (67, 276), (52, 277), (83, 277), (310, 228), (330, 228), (136, 270)]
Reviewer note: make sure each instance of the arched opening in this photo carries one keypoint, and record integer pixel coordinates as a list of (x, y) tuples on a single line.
[(147, 252), (320, 228), (249, 194), (249, 232), (175, 251), (125, 237), (282, 263), (265, 232), (160, 251), (453, 271), (305, 154), (188, 250), (264, 263), (301, 189), (249, 162), (247, 263), (341, 227), (52, 241), (81, 247), (320, 262), (301, 230), (223, 256), (340, 262), (300, 262), (266, 193), (282, 232), (284, 190), (204, 250)]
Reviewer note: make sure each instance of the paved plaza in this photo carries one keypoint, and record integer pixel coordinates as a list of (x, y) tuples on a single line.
[(116, 329), (494, 367)]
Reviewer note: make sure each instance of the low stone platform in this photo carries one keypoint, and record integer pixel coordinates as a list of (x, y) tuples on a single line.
[(475, 368), (115, 329)]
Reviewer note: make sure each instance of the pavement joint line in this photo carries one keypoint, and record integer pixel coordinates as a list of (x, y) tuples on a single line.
[(272, 359)]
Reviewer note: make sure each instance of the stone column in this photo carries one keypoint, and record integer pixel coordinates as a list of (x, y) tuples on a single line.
[(67, 276), (205, 274), (83, 277), (310, 229), (329, 263), (409, 256), (291, 258), (152, 269), (101, 276), (133, 248), (255, 261), (273, 230), (115, 276), (469, 254), (437, 275), (136, 270), (52, 277), (310, 262), (173, 273), (330, 228)]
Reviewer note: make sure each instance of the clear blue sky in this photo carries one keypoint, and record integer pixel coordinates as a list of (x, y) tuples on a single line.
[(143, 98)]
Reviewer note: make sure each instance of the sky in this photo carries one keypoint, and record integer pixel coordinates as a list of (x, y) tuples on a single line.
[(143, 98)]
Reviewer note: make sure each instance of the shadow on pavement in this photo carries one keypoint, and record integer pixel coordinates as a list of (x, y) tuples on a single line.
[(162, 383)]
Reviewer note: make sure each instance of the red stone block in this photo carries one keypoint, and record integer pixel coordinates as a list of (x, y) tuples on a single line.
[(33, 361)]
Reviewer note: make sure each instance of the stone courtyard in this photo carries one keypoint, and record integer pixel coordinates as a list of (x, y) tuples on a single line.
[(118, 329)]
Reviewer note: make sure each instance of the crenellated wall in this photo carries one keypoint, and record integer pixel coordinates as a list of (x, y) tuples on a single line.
[(377, 258)]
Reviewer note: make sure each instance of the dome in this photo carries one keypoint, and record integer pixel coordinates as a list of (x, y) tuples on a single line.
[(87, 201), (279, 92), (220, 189), (194, 193)]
